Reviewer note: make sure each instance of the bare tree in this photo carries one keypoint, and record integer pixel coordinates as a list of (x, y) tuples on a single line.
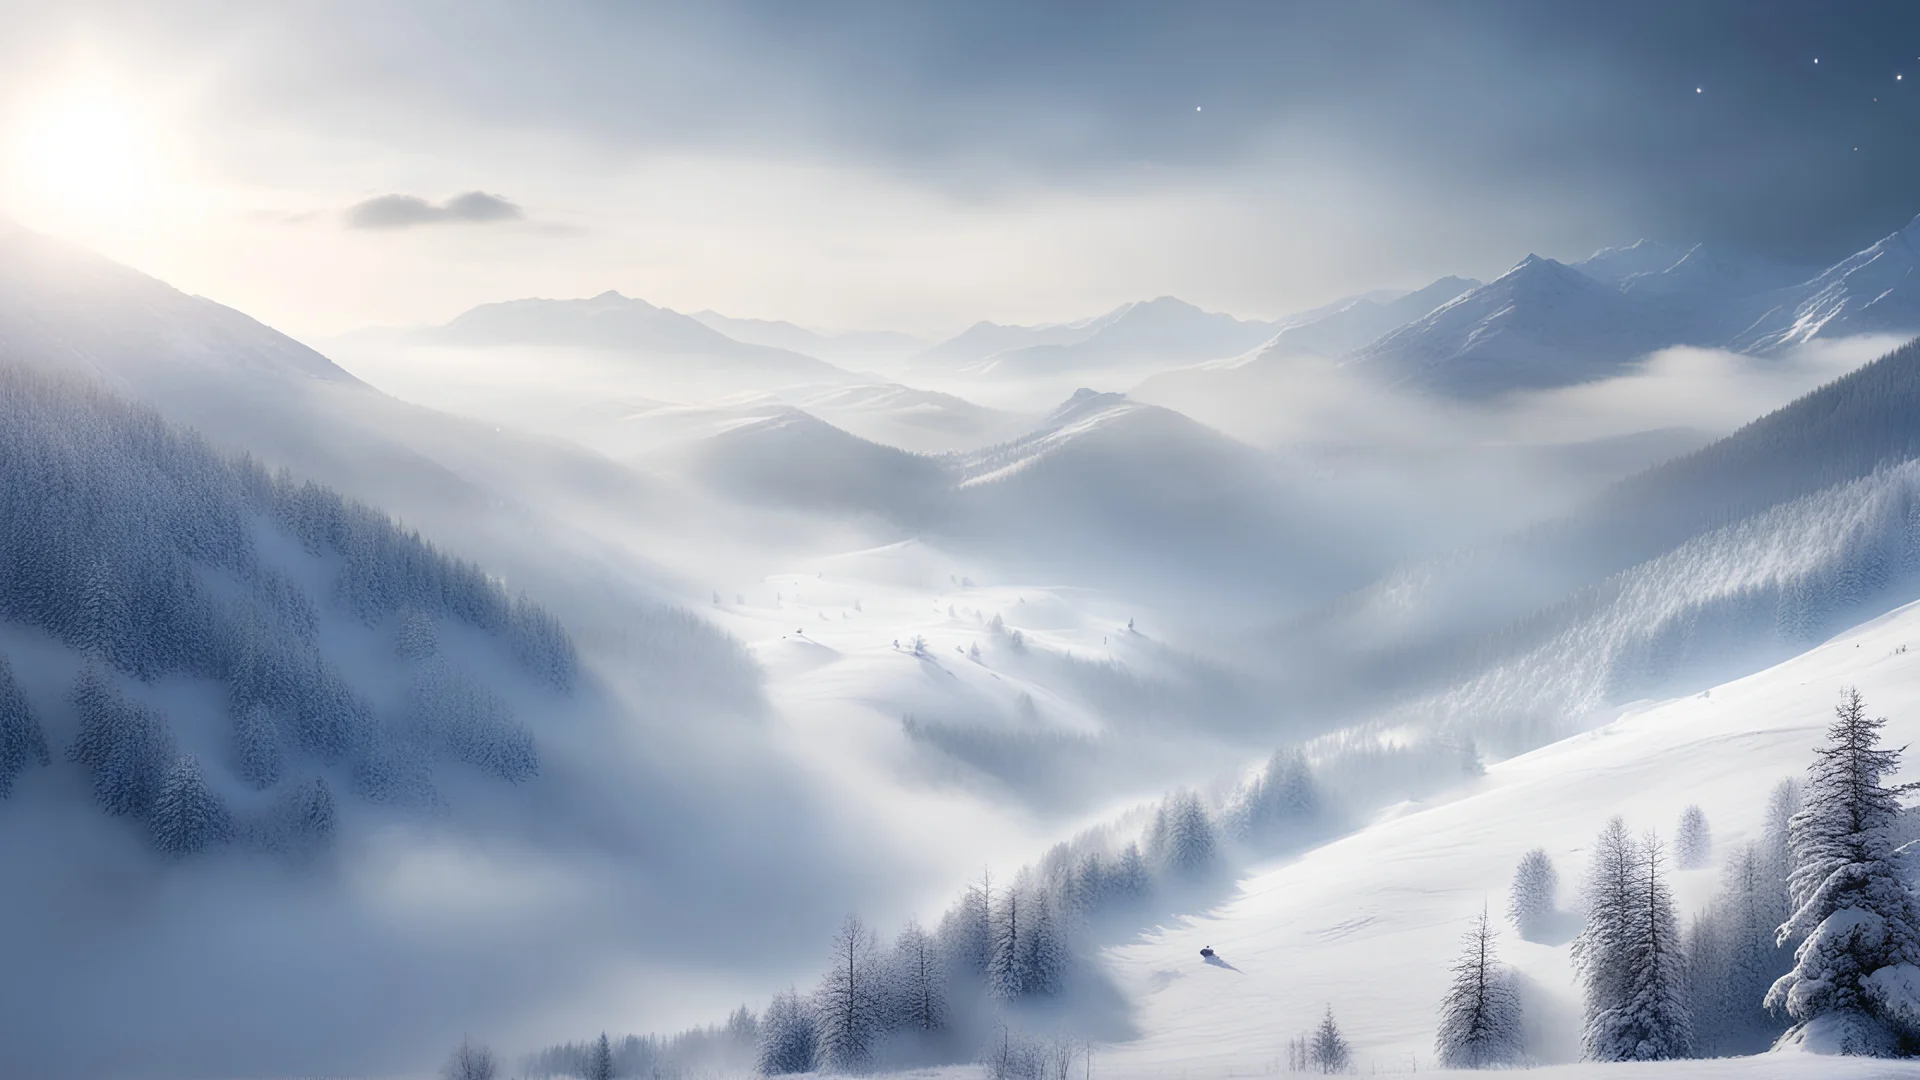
[(470, 1061)]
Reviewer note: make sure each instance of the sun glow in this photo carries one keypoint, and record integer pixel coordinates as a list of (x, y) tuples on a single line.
[(86, 152)]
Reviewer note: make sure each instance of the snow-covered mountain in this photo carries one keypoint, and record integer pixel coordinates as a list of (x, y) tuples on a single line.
[(1871, 292), (1614, 265), (632, 326), (1163, 332), (852, 347), (1358, 321), (1540, 324)]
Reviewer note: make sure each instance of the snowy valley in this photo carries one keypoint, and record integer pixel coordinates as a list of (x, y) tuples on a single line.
[(988, 542)]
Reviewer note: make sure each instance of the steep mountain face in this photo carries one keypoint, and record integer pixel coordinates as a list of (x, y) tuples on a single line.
[(615, 322), (1358, 321), (1541, 324), (1871, 292)]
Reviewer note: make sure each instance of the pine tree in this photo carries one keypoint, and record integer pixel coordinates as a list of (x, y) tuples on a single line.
[(127, 748), (1654, 1026), (22, 743), (1776, 847), (187, 816), (918, 983), (1600, 951), (1046, 947), (849, 1008), (257, 756), (786, 1036), (1181, 839), (1009, 952), (1532, 902), (1480, 1016), (1327, 1050), (600, 1060), (1854, 985), (966, 934), (415, 637), (1693, 842)]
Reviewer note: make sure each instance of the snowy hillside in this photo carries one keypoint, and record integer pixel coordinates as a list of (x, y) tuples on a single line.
[(1368, 924)]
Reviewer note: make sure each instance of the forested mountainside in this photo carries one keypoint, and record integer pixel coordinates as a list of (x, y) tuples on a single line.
[(347, 649), (1413, 628)]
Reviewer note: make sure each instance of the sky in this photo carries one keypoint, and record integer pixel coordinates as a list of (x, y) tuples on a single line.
[(330, 166)]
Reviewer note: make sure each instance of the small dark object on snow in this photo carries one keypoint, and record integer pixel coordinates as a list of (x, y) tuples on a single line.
[(1207, 952)]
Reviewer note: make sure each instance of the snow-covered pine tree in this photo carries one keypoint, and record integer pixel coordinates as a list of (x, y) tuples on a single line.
[(786, 1036), (127, 748), (257, 757), (1732, 959), (1653, 1024), (1693, 842), (1709, 990), (187, 816), (849, 1006), (1008, 950), (1600, 952), (1327, 1049), (1776, 847), (1280, 798), (600, 1060), (742, 1033), (22, 743), (1532, 902), (966, 932), (1480, 1015), (917, 981), (416, 638), (1045, 942), (1131, 881), (1181, 840), (1855, 984)]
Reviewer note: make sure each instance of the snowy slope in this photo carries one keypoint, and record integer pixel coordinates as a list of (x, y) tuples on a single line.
[(1369, 923)]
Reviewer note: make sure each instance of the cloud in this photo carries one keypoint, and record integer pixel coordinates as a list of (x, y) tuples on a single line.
[(406, 211)]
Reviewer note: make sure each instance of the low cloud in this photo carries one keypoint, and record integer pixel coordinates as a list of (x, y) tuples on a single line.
[(406, 211)]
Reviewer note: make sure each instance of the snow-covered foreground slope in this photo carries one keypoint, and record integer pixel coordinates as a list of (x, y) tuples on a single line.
[(1368, 924)]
